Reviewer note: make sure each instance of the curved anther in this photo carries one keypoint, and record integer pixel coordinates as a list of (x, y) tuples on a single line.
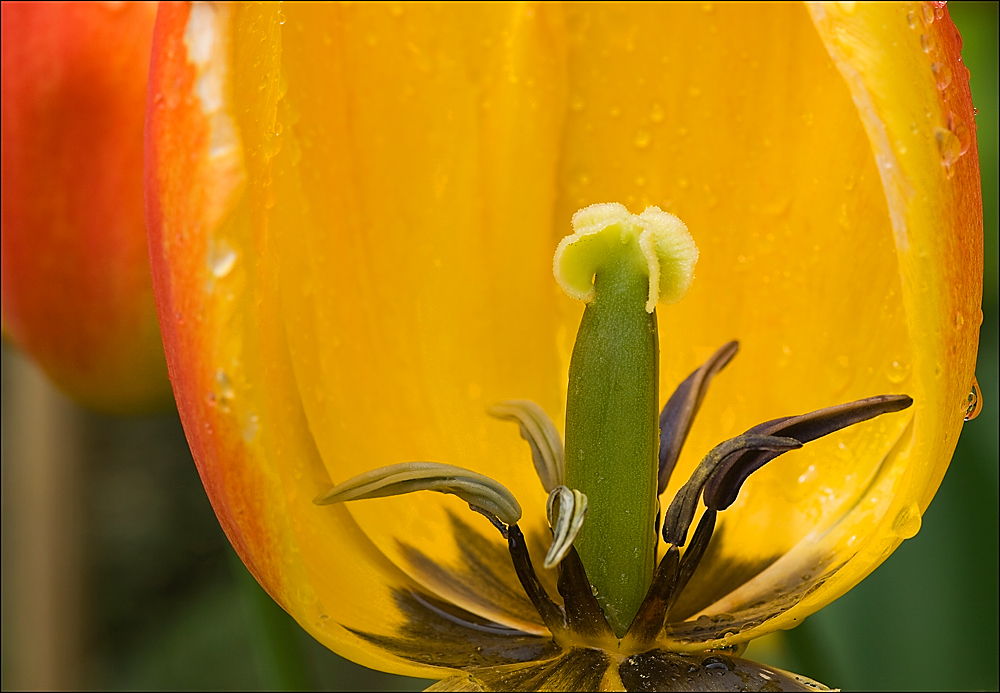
[(540, 433), (681, 511), (679, 411), (566, 509), (477, 490), (724, 485)]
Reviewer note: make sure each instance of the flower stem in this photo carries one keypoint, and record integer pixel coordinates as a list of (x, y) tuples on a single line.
[(612, 435)]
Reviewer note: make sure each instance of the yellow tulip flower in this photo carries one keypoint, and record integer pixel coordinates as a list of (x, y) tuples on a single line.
[(353, 212)]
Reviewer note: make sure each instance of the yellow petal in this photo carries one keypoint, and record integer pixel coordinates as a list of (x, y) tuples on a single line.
[(393, 181)]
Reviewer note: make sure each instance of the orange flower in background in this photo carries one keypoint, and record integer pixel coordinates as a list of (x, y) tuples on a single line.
[(77, 294), (353, 211)]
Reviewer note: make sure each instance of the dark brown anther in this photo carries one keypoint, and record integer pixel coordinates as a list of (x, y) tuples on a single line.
[(693, 555), (648, 621), (724, 485), (552, 615), (680, 512), (679, 411), (583, 613)]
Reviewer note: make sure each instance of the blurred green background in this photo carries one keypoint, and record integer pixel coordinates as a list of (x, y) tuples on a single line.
[(156, 600)]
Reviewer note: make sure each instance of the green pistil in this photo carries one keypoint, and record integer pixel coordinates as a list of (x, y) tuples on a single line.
[(612, 436), (622, 265)]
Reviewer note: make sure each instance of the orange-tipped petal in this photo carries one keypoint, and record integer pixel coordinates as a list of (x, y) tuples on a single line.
[(353, 210), (77, 294)]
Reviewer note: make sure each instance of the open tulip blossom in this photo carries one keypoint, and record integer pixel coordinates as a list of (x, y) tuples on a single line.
[(410, 248)]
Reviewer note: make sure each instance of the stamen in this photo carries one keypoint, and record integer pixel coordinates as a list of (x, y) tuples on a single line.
[(536, 428), (692, 557), (552, 615), (681, 511), (566, 509), (649, 621), (679, 411), (724, 486), (479, 491), (583, 612)]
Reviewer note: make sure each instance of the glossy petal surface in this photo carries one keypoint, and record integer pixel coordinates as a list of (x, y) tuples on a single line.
[(77, 294), (353, 214)]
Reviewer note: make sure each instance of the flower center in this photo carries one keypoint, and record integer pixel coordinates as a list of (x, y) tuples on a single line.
[(604, 484)]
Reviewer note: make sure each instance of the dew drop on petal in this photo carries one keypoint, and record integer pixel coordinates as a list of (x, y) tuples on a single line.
[(942, 75), (927, 42), (907, 523), (974, 402), (251, 427), (226, 392), (221, 258), (911, 19), (949, 148), (897, 371)]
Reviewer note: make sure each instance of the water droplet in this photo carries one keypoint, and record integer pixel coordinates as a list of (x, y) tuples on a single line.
[(683, 183), (974, 402), (939, 11), (642, 139), (927, 42), (928, 14), (907, 523), (656, 113), (808, 475), (949, 147), (281, 18), (897, 371), (957, 126), (718, 663), (251, 427), (226, 393), (221, 258), (942, 73), (911, 19)]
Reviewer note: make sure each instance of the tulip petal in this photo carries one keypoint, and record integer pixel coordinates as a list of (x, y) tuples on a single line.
[(935, 214), (260, 480), (77, 295), (405, 241), (393, 181)]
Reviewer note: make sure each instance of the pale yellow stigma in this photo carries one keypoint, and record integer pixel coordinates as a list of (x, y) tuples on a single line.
[(602, 230)]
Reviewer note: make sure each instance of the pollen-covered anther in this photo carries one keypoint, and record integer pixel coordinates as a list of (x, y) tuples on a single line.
[(540, 433), (566, 509), (484, 494), (601, 231)]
